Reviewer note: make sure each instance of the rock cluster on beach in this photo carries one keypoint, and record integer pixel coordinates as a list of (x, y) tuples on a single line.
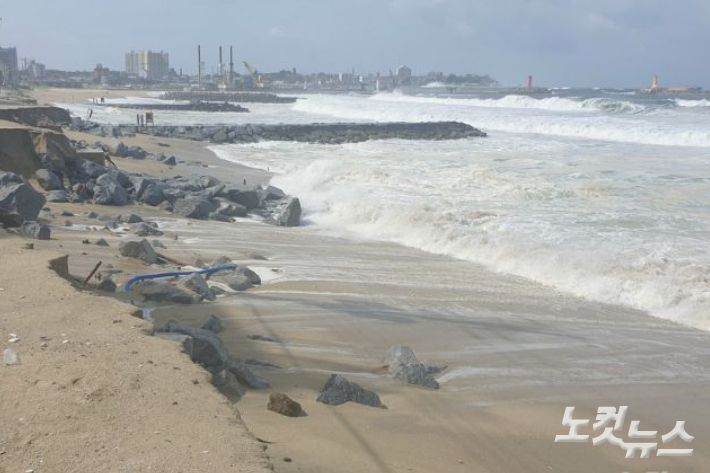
[(321, 133)]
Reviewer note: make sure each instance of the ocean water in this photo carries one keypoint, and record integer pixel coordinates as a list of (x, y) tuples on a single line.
[(602, 194)]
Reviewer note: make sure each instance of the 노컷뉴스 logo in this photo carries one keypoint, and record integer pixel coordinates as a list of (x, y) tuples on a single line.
[(605, 415)]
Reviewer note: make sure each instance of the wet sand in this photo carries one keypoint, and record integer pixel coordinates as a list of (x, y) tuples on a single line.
[(517, 353)]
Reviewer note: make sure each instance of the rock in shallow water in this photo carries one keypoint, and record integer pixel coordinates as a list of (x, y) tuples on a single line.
[(338, 391), (245, 375), (207, 348)]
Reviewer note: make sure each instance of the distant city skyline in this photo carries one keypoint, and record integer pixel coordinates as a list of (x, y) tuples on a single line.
[(615, 43)]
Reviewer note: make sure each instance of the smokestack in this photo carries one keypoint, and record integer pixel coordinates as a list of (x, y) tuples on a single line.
[(199, 67), (530, 84), (231, 66), (221, 69)]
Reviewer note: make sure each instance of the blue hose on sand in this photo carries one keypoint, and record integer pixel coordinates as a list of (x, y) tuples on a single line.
[(129, 284)]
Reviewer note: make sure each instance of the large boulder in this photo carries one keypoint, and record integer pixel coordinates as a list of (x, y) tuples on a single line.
[(193, 207), (36, 230), (249, 198), (57, 197), (196, 283), (141, 250), (109, 191), (23, 198), (207, 348), (230, 209), (245, 375), (338, 391), (290, 214), (48, 180), (89, 169), (152, 194)]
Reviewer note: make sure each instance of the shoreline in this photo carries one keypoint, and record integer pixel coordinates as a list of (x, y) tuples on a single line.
[(517, 352)]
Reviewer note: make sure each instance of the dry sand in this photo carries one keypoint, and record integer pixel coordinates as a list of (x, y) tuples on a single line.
[(517, 353)]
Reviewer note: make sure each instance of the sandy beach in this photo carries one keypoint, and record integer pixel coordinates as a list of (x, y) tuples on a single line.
[(516, 354)]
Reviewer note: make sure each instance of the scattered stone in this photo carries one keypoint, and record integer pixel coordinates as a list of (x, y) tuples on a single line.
[(158, 244), (101, 242), (245, 375), (144, 229), (416, 374), (400, 355), (171, 161), (64, 213), (338, 391), (36, 230), (68, 223), (235, 281), (130, 218), (284, 405), (207, 349), (213, 324), (107, 285), (164, 292), (139, 250), (10, 357), (29, 246), (196, 283), (92, 215)]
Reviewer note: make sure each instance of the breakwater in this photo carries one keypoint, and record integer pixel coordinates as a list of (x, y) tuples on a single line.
[(322, 133), (220, 96)]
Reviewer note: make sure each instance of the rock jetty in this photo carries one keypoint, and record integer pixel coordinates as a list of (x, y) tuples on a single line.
[(242, 97), (321, 133), (198, 106)]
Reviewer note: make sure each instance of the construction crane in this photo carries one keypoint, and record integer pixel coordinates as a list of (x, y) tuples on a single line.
[(256, 79)]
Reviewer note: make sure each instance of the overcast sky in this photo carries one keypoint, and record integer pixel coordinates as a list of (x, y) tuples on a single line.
[(561, 42)]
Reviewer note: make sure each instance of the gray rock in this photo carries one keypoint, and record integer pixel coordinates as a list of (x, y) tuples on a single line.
[(271, 193), (130, 218), (245, 375), (171, 161), (235, 281), (253, 277), (208, 181), (144, 229), (138, 249), (196, 283), (338, 391), (416, 374), (400, 355), (23, 198), (230, 209), (9, 178), (107, 285), (207, 348), (213, 324), (193, 207), (36, 230), (158, 244), (290, 215), (164, 292), (153, 193), (92, 215), (57, 197), (10, 358), (248, 198), (89, 169), (101, 242), (218, 217), (48, 180), (108, 191)]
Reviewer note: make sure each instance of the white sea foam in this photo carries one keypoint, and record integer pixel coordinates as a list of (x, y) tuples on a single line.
[(692, 103), (597, 227)]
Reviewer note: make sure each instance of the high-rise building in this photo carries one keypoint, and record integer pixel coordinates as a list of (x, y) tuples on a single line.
[(148, 65), (8, 63)]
